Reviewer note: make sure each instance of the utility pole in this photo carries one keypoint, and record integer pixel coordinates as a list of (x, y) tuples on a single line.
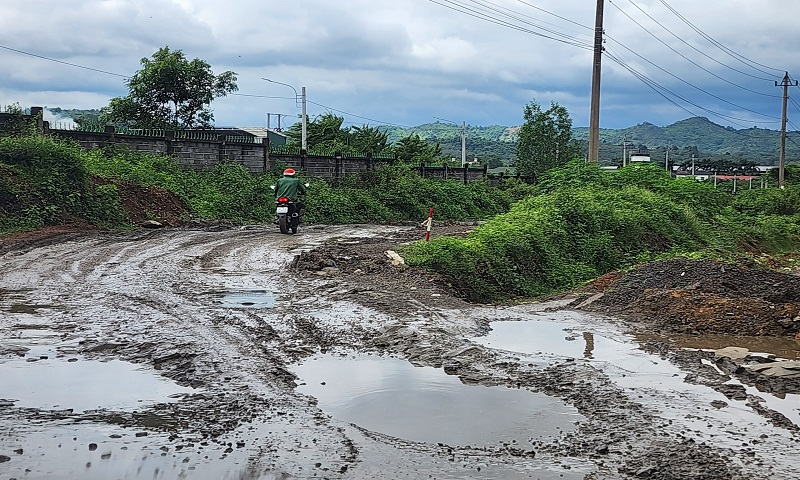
[(594, 116), (624, 150), (464, 144), (304, 138), (785, 84), (666, 159), (269, 119)]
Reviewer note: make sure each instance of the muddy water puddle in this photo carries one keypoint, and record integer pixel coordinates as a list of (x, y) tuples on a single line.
[(80, 385), (654, 382), (257, 298), (392, 397), (100, 452), (47, 373)]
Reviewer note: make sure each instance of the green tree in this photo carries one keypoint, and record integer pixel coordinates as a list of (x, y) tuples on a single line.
[(170, 92), (325, 131), (545, 140), (368, 139), (414, 150)]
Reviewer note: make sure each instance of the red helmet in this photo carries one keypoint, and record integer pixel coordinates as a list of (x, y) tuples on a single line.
[(289, 172)]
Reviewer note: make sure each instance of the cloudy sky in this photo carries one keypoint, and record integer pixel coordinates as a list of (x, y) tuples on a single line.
[(408, 62)]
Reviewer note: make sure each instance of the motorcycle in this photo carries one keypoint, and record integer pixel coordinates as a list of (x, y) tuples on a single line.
[(287, 213), (288, 218)]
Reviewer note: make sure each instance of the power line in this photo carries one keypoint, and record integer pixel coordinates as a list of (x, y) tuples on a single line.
[(358, 116), (658, 88), (687, 58), (63, 62), (698, 88), (693, 47), (719, 45), (557, 16), (488, 18)]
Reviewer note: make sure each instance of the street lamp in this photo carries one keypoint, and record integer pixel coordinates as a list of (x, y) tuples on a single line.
[(304, 121)]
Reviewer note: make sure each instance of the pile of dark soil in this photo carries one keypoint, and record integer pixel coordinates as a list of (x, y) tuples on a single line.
[(704, 296), (143, 203)]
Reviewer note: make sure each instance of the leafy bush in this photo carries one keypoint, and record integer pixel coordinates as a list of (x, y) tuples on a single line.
[(555, 241), (582, 222)]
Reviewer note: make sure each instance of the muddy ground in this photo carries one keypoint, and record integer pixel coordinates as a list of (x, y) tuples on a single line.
[(222, 316)]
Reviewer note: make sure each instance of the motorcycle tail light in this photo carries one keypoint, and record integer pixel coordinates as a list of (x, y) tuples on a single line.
[(283, 200)]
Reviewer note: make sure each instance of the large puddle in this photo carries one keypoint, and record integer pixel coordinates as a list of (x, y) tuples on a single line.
[(391, 396), (47, 373), (80, 385), (647, 376)]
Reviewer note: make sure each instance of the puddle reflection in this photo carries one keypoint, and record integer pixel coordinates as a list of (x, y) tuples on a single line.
[(248, 299), (391, 396)]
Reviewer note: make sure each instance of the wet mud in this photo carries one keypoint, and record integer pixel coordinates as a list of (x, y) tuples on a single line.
[(241, 353)]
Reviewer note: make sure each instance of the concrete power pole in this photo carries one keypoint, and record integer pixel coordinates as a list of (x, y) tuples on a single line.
[(785, 84), (463, 144), (624, 151), (304, 140), (666, 159), (594, 116)]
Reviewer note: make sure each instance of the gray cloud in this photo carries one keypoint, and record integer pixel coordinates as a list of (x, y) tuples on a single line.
[(406, 61)]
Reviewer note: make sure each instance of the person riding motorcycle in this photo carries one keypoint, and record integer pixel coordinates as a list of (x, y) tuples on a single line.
[(290, 187)]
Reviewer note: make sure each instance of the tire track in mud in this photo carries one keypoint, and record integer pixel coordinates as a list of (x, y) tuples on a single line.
[(140, 309)]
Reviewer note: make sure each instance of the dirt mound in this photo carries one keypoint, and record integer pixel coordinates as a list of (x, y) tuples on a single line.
[(143, 203), (366, 267), (704, 296)]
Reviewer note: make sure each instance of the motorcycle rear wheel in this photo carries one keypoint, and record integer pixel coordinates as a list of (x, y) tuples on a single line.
[(282, 223)]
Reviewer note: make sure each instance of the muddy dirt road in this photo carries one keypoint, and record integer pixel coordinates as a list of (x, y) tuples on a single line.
[(239, 353)]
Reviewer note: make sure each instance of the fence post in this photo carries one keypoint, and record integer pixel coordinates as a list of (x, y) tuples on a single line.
[(221, 151), (303, 154), (337, 165), (169, 138), (265, 146)]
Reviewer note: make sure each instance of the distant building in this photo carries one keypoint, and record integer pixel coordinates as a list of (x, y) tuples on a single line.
[(639, 157)]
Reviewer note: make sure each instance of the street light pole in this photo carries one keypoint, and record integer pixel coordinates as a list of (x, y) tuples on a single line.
[(304, 144), (304, 119)]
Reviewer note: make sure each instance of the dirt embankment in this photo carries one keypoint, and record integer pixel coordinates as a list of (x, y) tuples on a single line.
[(702, 296)]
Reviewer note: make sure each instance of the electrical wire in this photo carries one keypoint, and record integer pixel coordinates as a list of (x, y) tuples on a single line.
[(357, 116), (692, 46), (658, 88), (698, 88), (719, 45), (518, 16), (553, 14), (685, 57), (488, 18), (63, 62)]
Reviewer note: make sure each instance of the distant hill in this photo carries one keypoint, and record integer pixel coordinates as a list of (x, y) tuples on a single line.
[(697, 136)]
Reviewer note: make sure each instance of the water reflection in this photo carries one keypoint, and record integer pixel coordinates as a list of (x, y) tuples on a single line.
[(390, 396)]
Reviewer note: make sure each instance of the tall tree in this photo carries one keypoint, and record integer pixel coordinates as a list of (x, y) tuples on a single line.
[(414, 150), (369, 139), (170, 92), (545, 140)]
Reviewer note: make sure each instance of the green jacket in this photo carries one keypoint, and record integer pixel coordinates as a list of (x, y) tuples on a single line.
[(290, 188)]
